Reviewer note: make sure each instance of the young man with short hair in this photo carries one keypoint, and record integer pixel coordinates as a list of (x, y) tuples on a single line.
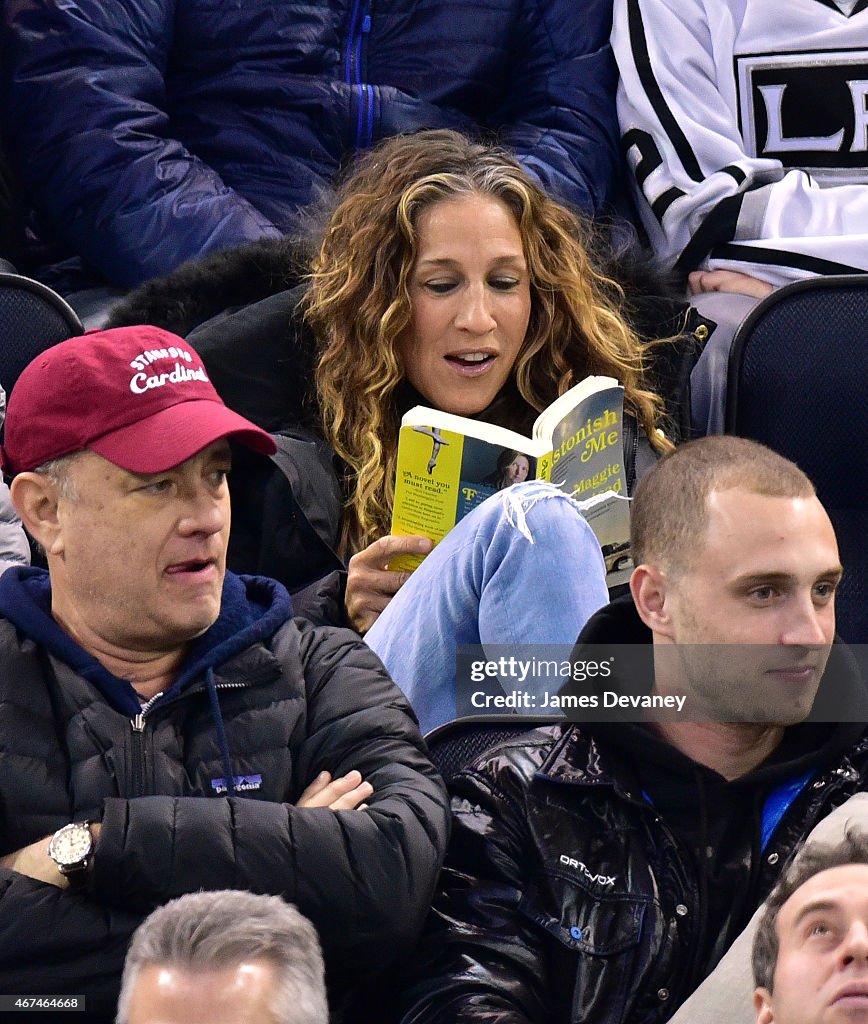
[(597, 871)]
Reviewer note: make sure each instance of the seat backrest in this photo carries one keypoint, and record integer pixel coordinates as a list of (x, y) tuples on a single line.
[(458, 743), (32, 319), (798, 382)]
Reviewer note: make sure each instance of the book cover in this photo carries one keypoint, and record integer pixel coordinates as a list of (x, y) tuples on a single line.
[(587, 446), (449, 464), (608, 515), (442, 475)]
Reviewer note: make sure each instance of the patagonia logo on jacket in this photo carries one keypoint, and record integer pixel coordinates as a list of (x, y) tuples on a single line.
[(242, 783)]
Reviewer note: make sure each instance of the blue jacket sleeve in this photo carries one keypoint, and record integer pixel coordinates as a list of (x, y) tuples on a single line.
[(85, 108), (558, 114)]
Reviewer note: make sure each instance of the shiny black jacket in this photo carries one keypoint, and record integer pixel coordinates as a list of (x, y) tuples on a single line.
[(566, 898)]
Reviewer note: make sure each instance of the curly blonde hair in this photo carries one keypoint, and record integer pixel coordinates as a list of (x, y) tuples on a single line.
[(358, 306)]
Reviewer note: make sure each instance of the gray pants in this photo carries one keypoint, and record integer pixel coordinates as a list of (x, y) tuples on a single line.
[(708, 379), (726, 995)]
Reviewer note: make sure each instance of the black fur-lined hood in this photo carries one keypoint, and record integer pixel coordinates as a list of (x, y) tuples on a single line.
[(204, 289), (200, 289)]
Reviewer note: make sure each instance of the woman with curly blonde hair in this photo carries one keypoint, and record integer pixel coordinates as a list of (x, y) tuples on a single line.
[(447, 276), (360, 306), (444, 276)]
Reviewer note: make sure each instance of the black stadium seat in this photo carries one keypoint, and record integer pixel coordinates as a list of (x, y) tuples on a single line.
[(798, 382), (32, 319), (456, 744)]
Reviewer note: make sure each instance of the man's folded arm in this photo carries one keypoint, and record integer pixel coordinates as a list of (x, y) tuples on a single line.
[(58, 941), (365, 877)]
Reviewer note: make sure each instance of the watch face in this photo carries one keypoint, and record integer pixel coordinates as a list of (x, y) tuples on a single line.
[(70, 845)]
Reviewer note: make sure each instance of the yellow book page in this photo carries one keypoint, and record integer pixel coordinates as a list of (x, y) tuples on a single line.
[(427, 486)]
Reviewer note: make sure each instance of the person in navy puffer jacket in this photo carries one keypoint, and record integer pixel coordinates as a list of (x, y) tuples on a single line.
[(153, 131)]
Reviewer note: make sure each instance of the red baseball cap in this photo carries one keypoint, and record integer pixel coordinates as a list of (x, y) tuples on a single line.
[(137, 396)]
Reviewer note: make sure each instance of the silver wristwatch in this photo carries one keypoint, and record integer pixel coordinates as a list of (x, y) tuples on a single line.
[(71, 847)]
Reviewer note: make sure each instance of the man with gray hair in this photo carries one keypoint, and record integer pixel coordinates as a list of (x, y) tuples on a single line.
[(224, 957)]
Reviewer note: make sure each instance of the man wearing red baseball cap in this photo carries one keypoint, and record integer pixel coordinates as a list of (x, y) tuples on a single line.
[(166, 726)]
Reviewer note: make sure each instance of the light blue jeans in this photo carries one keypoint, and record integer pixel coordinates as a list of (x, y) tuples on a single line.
[(522, 568)]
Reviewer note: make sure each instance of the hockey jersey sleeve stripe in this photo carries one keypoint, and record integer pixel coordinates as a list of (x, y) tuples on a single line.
[(856, 9), (734, 171), (719, 226), (649, 160), (649, 155), (652, 89), (662, 203), (781, 258)]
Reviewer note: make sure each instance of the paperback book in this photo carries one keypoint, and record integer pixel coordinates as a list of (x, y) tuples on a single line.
[(447, 465)]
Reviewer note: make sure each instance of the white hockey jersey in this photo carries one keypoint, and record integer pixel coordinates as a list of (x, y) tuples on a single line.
[(745, 124)]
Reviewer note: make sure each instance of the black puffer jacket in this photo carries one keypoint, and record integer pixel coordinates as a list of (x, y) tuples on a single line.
[(291, 700), (567, 896)]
